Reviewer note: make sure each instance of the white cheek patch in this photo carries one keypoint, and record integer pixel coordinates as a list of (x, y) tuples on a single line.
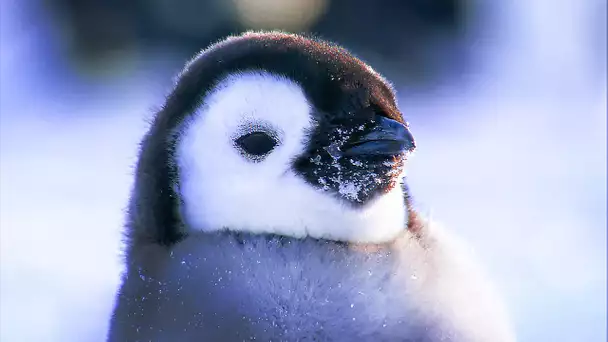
[(222, 189)]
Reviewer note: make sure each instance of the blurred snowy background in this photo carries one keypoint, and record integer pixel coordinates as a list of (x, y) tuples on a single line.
[(507, 100)]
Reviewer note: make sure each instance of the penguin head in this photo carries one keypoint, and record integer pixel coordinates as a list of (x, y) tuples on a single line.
[(279, 134)]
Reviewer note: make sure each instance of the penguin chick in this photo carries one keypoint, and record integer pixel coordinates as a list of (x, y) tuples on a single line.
[(270, 204)]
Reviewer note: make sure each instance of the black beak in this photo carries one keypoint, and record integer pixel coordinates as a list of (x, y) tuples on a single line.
[(388, 137)]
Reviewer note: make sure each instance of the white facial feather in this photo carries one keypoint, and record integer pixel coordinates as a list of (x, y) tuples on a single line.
[(222, 189)]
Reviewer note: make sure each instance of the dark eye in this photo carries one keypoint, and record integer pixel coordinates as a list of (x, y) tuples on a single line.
[(256, 144)]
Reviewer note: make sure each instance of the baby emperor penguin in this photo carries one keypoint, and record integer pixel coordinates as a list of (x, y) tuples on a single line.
[(269, 204)]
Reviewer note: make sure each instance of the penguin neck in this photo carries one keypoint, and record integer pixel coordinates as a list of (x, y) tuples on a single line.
[(306, 213)]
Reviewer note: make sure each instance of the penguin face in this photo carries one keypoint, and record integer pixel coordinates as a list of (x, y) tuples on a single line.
[(256, 158), (290, 136)]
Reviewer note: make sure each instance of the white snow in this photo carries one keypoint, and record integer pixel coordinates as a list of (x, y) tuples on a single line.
[(349, 189)]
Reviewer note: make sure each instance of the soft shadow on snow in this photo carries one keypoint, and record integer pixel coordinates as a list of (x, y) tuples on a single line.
[(64, 187)]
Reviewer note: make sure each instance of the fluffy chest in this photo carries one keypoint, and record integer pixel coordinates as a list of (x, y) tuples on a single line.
[(239, 289)]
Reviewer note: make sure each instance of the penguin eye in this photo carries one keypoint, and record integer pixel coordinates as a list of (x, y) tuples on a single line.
[(256, 144)]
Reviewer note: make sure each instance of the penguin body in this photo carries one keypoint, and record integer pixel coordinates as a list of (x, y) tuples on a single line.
[(270, 204)]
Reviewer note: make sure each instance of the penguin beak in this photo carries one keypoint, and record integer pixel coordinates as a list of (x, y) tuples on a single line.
[(387, 138)]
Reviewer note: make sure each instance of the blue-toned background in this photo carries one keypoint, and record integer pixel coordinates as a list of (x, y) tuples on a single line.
[(507, 100)]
